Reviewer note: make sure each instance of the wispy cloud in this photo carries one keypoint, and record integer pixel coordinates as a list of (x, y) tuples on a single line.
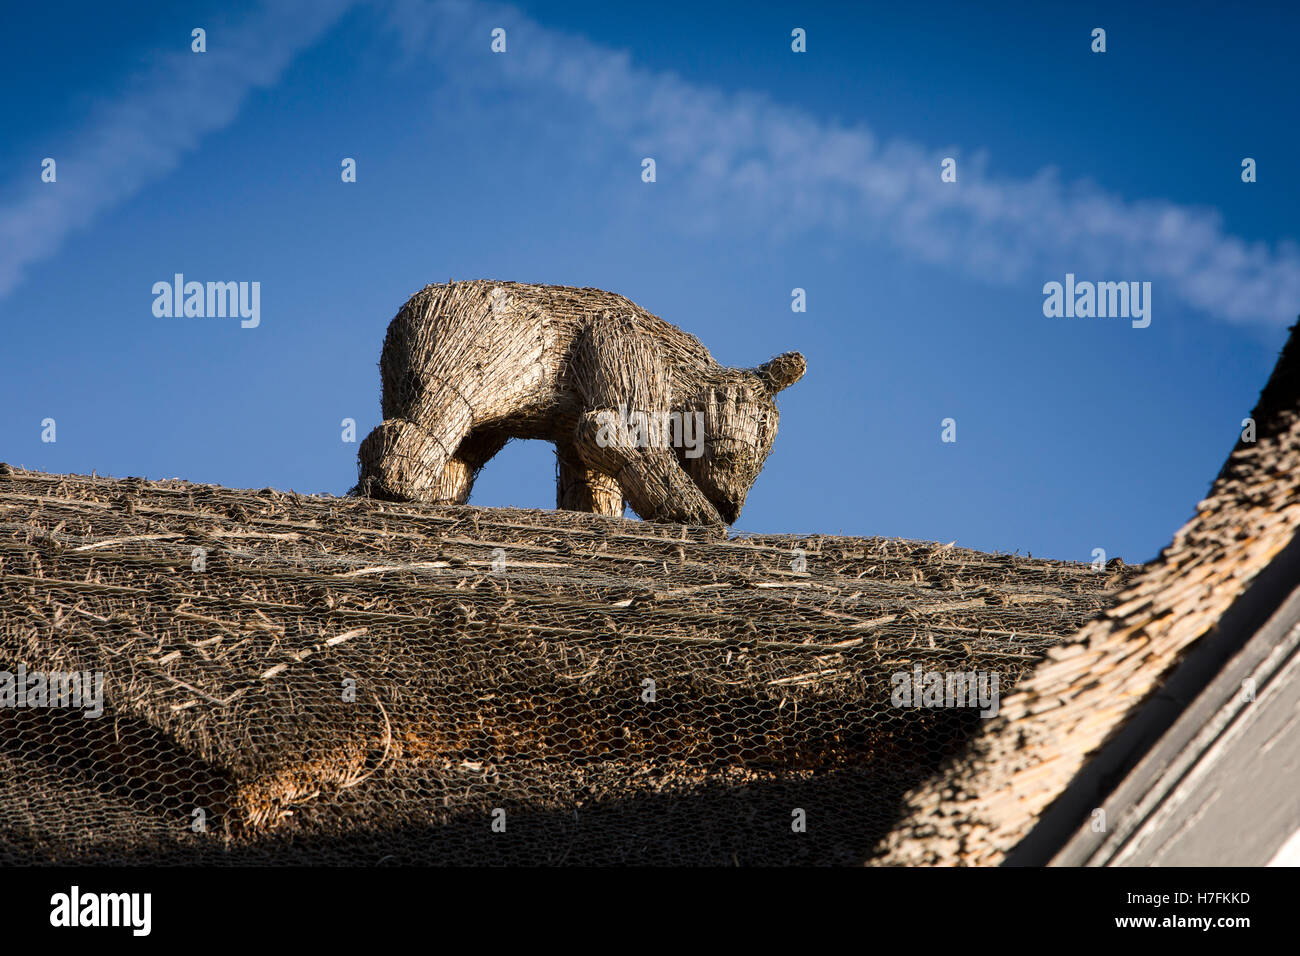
[(782, 169), (729, 157), (159, 117)]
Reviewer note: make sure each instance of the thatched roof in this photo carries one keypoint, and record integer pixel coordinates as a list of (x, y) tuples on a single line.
[(985, 800), (500, 660)]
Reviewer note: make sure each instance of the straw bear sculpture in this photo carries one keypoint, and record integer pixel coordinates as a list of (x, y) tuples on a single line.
[(467, 366)]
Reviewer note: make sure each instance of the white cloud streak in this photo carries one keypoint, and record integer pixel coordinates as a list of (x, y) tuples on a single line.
[(735, 158), (159, 117), (742, 155)]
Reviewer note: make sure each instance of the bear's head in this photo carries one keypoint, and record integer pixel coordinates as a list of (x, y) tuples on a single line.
[(739, 420)]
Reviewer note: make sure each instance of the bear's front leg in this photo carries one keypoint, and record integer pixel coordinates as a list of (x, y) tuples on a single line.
[(579, 488), (652, 479)]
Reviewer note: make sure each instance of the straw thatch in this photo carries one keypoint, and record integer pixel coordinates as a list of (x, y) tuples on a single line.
[(467, 366), (987, 798), (353, 680)]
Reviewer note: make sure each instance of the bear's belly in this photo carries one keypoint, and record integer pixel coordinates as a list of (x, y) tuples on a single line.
[(549, 415)]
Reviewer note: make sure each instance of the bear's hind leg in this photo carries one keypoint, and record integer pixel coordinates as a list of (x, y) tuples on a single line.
[(457, 479), (401, 461)]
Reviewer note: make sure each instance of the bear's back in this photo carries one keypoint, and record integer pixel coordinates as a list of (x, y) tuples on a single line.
[(450, 330)]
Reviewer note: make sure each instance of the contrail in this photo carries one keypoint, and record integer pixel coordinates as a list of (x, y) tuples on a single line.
[(161, 115), (737, 158), (743, 158)]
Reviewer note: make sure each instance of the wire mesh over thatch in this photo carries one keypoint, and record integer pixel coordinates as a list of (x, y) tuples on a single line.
[(298, 679), (986, 799)]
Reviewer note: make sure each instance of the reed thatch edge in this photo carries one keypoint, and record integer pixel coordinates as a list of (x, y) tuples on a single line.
[(985, 800)]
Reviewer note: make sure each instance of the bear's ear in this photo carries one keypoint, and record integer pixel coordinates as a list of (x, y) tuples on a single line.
[(782, 371)]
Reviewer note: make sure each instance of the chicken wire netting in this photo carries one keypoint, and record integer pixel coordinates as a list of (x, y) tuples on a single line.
[(264, 677)]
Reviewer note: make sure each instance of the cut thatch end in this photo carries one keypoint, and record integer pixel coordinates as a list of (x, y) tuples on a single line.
[(985, 799)]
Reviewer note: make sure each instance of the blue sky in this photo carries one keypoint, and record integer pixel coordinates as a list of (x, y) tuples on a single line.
[(775, 170)]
